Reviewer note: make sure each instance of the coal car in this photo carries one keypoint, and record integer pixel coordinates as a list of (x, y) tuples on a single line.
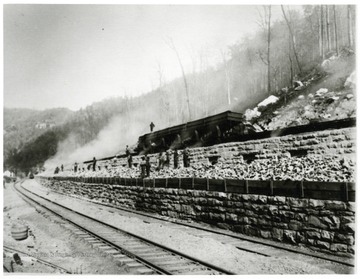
[(202, 132)]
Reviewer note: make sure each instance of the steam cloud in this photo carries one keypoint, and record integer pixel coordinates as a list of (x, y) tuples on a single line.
[(113, 138)]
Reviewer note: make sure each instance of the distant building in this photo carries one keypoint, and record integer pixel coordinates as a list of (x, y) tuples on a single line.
[(45, 125), (8, 174), (40, 125)]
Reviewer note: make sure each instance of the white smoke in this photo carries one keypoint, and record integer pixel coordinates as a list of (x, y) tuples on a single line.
[(119, 132)]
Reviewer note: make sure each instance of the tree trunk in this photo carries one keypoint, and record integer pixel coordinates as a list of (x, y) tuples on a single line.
[(320, 32), (268, 53), (172, 46), (292, 38), (328, 29), (291, 66), (335, 32), (227, 77), (349, 25), (323, 39)]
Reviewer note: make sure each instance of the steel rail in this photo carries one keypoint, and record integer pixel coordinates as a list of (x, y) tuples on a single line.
[(123, 250), (10, 249), (206, 264), (245, 238)]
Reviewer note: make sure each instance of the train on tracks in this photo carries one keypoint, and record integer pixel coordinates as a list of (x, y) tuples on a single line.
[(202, 132), (224, 127)]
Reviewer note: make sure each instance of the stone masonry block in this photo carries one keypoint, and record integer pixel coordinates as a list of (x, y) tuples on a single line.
[(349, 227), (264, 224), (290, 236), (231, 217), (322, 244), (273, 210), (344, 238), (318, 204), (333, 222), (295, 225), (314, 221), (335, 205), (327, 235), (313, 234), (277, 234), (243, 220), (276, 200), (265, 234), (295, 202), (337, 247)]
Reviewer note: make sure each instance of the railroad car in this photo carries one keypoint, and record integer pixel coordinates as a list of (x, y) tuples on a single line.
[(202, 132), (224, 127)]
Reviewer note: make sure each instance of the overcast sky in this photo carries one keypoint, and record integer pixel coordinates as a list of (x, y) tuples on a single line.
[(73, 55)]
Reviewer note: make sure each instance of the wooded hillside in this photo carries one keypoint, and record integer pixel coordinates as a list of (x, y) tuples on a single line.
[(248, 72)]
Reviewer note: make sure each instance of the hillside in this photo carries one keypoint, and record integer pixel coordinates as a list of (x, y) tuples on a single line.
[(239, 81), (23, 125), (326, 93)]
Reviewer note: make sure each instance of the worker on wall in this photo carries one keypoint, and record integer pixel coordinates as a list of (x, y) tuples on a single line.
[(94, 164), (152, 125), (176, 158), (147, 165)]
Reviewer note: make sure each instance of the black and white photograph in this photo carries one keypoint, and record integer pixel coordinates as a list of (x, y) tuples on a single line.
[(179, 138)]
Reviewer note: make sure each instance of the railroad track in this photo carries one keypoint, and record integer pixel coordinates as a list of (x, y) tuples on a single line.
[(249, 244), (135, 253), (52, 265)]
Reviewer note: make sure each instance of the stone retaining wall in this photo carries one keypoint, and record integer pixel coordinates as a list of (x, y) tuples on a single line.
[(320, 224), (340, 143)]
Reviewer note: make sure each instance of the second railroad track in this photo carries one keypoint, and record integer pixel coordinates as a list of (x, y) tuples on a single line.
[(138, 254)]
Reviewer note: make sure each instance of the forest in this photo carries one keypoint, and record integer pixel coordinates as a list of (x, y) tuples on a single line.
[(256, 67)]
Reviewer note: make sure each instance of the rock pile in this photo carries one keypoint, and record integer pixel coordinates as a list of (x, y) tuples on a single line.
[(321, 105), (309, 168)]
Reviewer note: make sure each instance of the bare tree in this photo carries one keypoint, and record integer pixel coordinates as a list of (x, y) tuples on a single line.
[(204, 65), (265, 23), (227, 75), (164, 99), (335, 31), (171, 44), (160, 73), (290, 62), (268, 47), (328, 29), (350, 39), (292, 38), (320, 15)]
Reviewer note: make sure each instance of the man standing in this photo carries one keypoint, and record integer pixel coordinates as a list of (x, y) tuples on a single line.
[(167, 161), (186, 158), (176, 158), (130, 160), (94, 164), (142, 167), (147, 165), (152, 125)]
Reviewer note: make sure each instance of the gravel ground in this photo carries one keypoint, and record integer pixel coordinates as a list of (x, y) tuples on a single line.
[(205, 248), (48, 241)]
